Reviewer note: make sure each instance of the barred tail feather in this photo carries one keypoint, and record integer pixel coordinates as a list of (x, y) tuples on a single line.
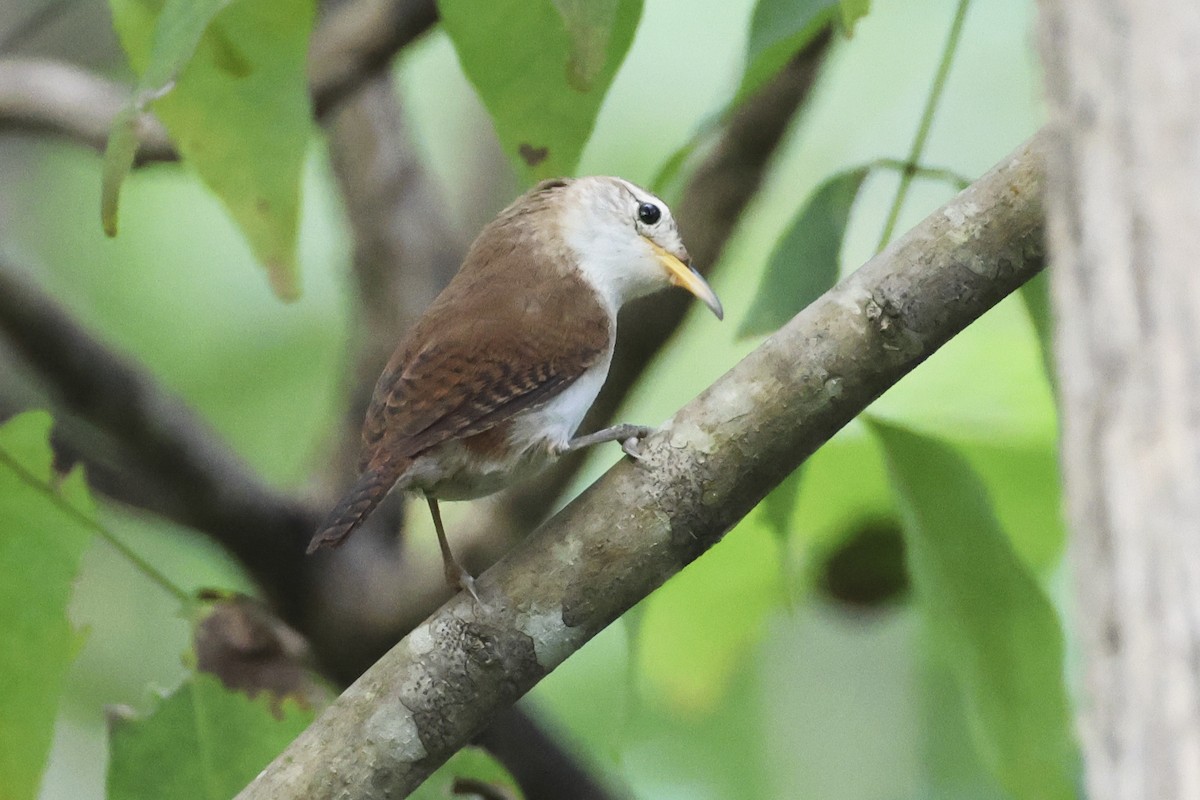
[(368, 492)]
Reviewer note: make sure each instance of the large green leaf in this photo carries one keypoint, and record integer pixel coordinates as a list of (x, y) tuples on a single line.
[(228, 81), (805, 262), (542, 68), (987, 616), (699, 626), (41, 545), (1036, 296), (779, 505), (175, 35), (852, 12), (203, 742)]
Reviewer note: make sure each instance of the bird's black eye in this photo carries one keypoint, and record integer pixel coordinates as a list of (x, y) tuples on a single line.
[(649, 213)]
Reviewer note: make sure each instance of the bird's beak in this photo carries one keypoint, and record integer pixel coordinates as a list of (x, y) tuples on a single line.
[(683, 275)]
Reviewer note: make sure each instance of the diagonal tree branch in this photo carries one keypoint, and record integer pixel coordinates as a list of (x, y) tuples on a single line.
[(182, 469), (644, 521)]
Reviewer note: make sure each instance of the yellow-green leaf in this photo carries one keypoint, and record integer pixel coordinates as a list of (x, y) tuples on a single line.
[(203, 742), (805, 262), (542, 68), (176, 32), (237, 109), (779, 29), (988, 618), (693, 635), (852, 12), (469, 768), (41, 546)]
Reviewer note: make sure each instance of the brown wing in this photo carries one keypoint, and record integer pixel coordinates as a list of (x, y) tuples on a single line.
[(473, 364)]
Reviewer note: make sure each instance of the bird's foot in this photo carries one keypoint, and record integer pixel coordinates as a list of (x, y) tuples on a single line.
[(628, 435), (458, 578), (632, 444), (632, 447), (467, 583)]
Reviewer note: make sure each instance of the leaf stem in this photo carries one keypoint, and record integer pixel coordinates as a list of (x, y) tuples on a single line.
[(140, 564), (944, 174), (931, 102)]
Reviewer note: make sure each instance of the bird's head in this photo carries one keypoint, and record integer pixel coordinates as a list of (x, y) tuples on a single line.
[(625, 240)]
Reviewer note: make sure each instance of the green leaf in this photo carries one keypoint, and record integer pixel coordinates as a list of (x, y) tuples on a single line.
[(119, 154), (694, 633), (779, 506), (589, 25), (542, 68), (987, 616), (1036, 296), (778, 30), (805, 262), (238, 109), (203, 742), (173, 41), (41, 546), (469, 767), (852, 12)]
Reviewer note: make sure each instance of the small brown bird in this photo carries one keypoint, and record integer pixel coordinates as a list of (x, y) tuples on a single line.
[(491, 383)]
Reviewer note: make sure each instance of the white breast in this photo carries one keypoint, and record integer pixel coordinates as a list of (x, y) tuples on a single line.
[(553, 424)]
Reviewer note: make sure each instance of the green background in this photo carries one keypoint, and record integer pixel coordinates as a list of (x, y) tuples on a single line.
[(734, 681)]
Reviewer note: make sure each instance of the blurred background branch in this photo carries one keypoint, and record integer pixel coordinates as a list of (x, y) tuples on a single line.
[(356, 41)]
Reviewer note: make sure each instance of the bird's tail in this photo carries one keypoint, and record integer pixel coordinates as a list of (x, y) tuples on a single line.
[(368, 492)]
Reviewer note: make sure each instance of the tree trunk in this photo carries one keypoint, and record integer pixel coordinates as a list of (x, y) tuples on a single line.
[(1124, 226)]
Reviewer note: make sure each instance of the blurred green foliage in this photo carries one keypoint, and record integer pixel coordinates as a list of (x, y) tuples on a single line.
[(41, 547), (200, 743), (805, 262), (229, 82), (986, 615), (542, 68), (468, 768), (735, 680)]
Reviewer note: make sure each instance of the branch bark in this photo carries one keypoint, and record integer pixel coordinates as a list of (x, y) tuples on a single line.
[(1123, 79), (644, 521)]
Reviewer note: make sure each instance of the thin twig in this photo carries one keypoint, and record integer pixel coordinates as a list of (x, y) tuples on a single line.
[(926, 124)]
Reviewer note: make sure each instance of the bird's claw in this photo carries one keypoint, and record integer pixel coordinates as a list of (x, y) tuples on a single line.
[(457, 577), (632, 446)]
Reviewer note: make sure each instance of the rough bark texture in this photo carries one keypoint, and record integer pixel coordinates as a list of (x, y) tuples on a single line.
[(1124, 80), (643, 521)]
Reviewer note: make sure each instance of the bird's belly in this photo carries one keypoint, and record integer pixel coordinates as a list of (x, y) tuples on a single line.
[(457, 470), (463, 469)]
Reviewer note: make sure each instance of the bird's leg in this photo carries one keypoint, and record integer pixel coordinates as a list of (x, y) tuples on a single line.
[(456, 575), (628, 435)]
